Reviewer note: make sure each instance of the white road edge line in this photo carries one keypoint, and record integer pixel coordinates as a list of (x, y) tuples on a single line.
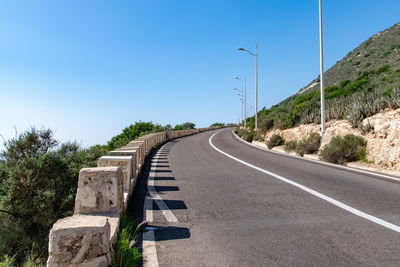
[(150, 258), (313, 192), (353, 169)]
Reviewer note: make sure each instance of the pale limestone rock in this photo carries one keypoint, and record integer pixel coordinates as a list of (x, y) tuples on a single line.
[(383, 143), (100, 190), (135, 162), (80, 240), (125, 163)]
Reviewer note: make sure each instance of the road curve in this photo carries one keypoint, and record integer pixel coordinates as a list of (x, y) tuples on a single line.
[(230, 214)]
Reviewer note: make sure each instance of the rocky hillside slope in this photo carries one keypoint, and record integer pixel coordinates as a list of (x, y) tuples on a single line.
[(383, 137), (364, 82)]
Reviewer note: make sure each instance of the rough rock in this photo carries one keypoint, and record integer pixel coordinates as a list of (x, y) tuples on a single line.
[(80, 240), (125, 163), (383, 142), (100, 190)]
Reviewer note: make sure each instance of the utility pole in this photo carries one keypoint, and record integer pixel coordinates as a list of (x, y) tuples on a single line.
[(322, 71)]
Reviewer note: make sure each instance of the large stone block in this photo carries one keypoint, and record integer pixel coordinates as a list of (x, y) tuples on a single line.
[(100, 190), (135, 161), (125, 163), (80, 240)]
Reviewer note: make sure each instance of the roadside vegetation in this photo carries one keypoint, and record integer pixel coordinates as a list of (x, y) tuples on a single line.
[(38, 181), (364, 82), (344, 149), (139, 129), (126, 253), (275, 140)]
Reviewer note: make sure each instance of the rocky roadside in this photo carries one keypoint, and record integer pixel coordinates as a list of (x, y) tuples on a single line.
[(382, 135)]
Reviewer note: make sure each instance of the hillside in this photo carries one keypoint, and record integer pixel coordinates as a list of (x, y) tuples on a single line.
[(361, 84)]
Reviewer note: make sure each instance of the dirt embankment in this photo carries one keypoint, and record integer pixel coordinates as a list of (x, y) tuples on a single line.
[(383, 140)]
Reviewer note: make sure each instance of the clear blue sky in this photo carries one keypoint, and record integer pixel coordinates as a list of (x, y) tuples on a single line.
[(87, 69)]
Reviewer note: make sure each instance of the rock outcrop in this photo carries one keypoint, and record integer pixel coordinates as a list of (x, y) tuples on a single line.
[(383, 139)]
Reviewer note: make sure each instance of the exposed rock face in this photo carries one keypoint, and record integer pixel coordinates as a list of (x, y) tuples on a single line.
[(99, 191), (80, 240), (383, 143)]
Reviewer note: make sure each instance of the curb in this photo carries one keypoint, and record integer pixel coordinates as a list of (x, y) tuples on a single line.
[(376, 175)]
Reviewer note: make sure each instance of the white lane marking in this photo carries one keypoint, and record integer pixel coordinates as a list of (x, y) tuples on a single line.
[(353, 169), (156, 197), (313, 192), (150, 258)]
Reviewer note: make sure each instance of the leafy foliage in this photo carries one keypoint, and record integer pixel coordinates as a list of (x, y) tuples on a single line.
[(344, 149), (184, 126), (275, 140), (356, 87), (126, 253), (309, 145), (217, 124), (133, 131), (38, 182), (290, 146)]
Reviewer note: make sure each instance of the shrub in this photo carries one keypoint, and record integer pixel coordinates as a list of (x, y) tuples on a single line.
[(248, 136), (217, 124), (290, 146), (258, 136), (266, 123), (236, 131), (185, 126), (134, 131), (241, 132), (382, 69), (275, 140), (309, 145), (344, 149), (38, 183)]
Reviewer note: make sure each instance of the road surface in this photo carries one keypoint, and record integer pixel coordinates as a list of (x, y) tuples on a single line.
[(214, 201)]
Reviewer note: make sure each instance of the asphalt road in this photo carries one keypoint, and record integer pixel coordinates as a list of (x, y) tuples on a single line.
[(225, 213)]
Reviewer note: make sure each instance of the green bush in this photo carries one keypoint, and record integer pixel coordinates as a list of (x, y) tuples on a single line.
[(241, 132), (248, 136), (265, 123), (309, 145), (217, 124), (236, 131), (258, 136), (344, 149), (185, 126), (38, 181), (290, 146), (275, 140), (134, 131), (382, 69)]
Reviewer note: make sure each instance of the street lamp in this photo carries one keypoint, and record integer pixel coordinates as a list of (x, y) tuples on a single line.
[(321, 52), (241, 99), (245, 101), (256, 55)]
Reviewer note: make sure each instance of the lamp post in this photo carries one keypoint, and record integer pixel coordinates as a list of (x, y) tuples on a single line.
[(241, 106), (244, 96), (256, 55), (321, 52)]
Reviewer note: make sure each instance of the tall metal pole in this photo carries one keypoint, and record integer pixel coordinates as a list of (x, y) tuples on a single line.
[(241, 106), (322, 71), (256, 85), (245, 102)]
